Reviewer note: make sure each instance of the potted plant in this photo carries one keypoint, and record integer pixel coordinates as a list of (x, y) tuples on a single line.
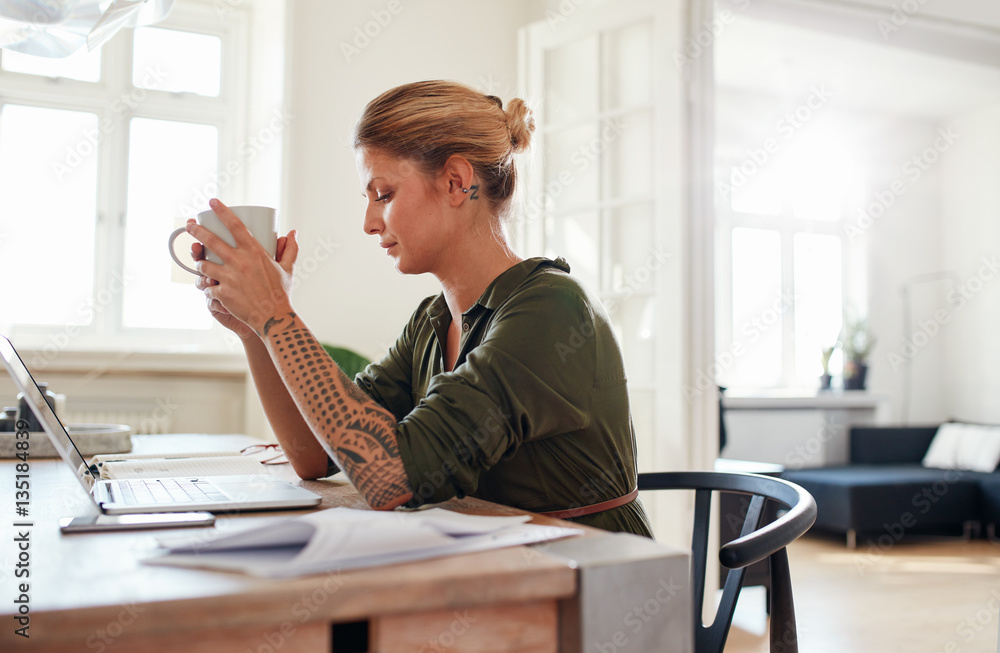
[(857, 342), (824, 380), (346, 359)]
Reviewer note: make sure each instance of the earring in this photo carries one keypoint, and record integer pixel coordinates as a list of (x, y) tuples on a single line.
[(465, 190)]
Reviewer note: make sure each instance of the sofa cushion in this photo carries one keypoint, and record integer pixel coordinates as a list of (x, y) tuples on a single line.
[(882, 496), (957, 445), (890, 444)]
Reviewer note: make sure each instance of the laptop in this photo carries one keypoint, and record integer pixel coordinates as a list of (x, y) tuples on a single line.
[(155, 495)]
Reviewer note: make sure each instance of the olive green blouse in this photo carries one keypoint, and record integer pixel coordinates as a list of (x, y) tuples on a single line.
[(535, 413)]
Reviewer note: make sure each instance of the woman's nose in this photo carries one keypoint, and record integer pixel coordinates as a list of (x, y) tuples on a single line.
[(373, 221)]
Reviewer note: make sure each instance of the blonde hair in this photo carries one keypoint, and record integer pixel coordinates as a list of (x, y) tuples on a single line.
[(427, 122)]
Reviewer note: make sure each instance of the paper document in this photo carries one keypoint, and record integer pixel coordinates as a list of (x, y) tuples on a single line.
[(169, 468), (211, 463), (345, 538)]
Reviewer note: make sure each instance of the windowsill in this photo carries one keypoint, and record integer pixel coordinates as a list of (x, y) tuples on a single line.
[(76, 350), (790, 398), (141, 363)]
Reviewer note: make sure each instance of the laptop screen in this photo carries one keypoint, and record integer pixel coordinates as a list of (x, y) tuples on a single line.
[(33, 396)]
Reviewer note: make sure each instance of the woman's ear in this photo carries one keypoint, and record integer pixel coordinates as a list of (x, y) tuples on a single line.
[(457, 179)]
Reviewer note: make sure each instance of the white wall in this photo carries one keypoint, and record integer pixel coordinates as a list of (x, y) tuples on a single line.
[(972, 248), (349, 292), (904, 251), (955, 369), (967, 343)]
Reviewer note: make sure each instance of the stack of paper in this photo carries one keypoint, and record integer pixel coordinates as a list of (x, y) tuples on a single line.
[(345, 538)]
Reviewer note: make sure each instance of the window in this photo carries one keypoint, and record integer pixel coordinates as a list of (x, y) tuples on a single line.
[(781, 253), (102, 155)]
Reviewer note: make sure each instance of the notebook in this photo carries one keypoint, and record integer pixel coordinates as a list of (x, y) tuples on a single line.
[(149, 495)]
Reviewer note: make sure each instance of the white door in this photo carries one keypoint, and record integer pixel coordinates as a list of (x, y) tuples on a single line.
[(606, 192)]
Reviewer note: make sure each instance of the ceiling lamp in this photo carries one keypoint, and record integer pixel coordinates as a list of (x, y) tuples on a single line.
[(58, 28)]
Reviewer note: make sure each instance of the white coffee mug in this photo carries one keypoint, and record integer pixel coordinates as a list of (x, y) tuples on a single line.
[(260, 221)]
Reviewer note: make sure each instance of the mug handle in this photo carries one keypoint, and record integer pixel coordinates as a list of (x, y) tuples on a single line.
[(170, 248)]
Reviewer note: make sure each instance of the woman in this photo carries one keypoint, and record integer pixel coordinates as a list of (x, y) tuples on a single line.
[(508, 386)]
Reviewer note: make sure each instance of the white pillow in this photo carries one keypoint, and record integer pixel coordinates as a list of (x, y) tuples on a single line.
[(970, 447), (943, 452), (980, 450)]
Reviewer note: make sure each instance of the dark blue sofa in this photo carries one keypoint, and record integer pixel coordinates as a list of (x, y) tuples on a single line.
[(885, 494)]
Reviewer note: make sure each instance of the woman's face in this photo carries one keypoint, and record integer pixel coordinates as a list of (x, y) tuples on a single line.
[(405, 210)]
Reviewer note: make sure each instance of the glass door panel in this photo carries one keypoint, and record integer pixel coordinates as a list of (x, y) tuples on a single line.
[(628, 66), (628, 143), (571, 82), (575, 237), (634, 321), (570, 174), (627, 246)]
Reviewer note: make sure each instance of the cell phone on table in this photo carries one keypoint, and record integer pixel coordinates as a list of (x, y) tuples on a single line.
[(104, 523)]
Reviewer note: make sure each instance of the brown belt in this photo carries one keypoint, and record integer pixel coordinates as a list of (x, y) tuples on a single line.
[(570, 513)]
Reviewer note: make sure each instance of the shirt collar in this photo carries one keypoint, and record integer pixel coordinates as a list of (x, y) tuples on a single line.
[(501, 288), (509, 280)]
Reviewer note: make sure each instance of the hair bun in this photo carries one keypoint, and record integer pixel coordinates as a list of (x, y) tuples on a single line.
[(428, 122), (521, 123)]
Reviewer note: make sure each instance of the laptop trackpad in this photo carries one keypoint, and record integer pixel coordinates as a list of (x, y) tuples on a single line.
[(248, 488)]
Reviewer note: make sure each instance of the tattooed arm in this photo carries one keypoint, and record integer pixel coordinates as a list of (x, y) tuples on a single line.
[(302, 449), (356, 432)]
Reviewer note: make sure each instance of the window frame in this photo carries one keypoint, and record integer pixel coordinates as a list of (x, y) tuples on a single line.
[(787, 225), (115, 101)]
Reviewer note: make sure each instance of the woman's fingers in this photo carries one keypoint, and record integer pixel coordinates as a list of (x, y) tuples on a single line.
[(290, 250), (245, 241), (240, 233), (208, 239), (216, 306), (289, 244), (203, 282), (208, 269)]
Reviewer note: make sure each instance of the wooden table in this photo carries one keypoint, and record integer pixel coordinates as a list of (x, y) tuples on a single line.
[(90, 592)]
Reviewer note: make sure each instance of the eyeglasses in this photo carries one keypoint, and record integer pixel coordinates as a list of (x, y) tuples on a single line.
[(277, 456)]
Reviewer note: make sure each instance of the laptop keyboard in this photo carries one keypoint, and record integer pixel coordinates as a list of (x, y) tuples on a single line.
[(166, 490)]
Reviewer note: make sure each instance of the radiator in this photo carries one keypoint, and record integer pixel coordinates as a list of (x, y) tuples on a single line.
[(144, 417)]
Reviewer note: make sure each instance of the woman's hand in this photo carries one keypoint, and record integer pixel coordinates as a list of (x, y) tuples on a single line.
[(221, 315), (251, 287)]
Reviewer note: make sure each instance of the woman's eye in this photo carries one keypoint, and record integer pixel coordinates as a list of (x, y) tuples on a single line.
[(382, 198)]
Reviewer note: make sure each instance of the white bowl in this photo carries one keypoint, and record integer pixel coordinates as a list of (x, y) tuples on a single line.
[(90, 439)]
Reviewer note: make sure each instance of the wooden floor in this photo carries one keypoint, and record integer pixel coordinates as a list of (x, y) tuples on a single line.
[(933, 596)]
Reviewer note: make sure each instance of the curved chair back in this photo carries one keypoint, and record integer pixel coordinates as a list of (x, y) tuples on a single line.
[(754, 544)]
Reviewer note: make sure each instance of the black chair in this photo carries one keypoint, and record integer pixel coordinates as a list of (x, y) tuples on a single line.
[(755, 543)]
